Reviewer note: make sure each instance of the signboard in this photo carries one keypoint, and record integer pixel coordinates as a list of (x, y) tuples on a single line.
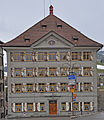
[(72, 90), (75, 95), (70, 77), (74, 99), (72, 83)]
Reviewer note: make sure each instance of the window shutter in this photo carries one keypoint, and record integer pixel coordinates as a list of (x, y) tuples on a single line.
[(12, 72), (37, 86), (33, 71), (13, 87), (12, 56), (82, 72), (68, 87), (67, 106), (34, 87), (58, 71), (79, 106), (38, 106), (47, 71), (91, 106), (58, 56), (25, 107), (71, 106), (82, 106), (22, 107), (13, 107), (47, 57), (36, 56), (36, 72), (91, 56), (68, 56), (92, 86), (24, 72), (79, 86), (47, 87), (34, 106), (67, 71), (33, 59), (24, 88)]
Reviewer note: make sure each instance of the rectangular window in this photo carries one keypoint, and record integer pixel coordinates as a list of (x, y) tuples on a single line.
[(86, 106), (87, 56), (18, 107), (76, 56), (52, 72), (76, 70), (63, 56), (87, 71), (42, 87), (29, 72), (18, 72), (42, 72), (64, 72), (18, 88), (63, 106), (64, 87), (42, 107), (52, 87), (76, 106), (29, 107), (42, 56), (29, 87), (29, 56), (17, 56), (52, 56), (87, 87)]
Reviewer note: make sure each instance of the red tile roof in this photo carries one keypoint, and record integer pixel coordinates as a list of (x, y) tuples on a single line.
[(36, 32)]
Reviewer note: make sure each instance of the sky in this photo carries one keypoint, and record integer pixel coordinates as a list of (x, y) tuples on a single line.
[(87, 16)]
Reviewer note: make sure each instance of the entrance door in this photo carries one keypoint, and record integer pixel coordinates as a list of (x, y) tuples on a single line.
[(53, 107)]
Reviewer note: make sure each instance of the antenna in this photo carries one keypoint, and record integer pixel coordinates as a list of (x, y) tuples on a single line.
[(44, 8)]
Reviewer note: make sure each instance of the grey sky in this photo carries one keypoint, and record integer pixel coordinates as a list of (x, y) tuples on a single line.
[(87, 16)]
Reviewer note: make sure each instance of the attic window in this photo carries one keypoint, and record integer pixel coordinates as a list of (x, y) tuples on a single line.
[(44, 26), (27, 40), (59, 26), (75, 38)]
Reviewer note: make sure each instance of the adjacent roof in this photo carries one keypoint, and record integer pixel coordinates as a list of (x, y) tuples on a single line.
[(1, 43), (48, 24)]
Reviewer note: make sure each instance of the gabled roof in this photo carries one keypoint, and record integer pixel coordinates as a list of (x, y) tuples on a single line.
[(48, 24)]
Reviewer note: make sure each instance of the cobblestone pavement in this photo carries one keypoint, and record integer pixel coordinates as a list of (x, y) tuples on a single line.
[(97, 116)]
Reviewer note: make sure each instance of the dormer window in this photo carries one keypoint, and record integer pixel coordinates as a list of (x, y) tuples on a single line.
[(59, 26), (75, 38), (44, 26), (27, 40)]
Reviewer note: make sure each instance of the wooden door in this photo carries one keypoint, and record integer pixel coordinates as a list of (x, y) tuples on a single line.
[(53, 107)]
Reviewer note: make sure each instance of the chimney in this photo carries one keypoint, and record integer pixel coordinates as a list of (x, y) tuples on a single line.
[(51, 10)]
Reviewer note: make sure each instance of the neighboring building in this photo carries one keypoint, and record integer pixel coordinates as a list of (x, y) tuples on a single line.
[(101, 91), (1, 82), (38, 64)]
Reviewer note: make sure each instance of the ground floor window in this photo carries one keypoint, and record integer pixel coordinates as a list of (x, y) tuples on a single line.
[(18, 107), (29, 107), (42, 107), (87, 106)]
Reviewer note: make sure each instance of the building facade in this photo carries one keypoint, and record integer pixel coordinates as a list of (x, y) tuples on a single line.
[(39, 62), (1, 82)]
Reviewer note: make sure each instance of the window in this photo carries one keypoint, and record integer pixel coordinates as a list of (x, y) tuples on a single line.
[(87, 87), (87, 71), (52, 72), (64, 72), (64, 87), (29, 56), (42, 87), (76, 70), (42, 72), (76, 106), (87, 56), (29, 72), (18, 72), (76, 56), (42, 107), (18, 107), (53, 87), (17, 56), (63, 56), (42, 56), (86, 106), (63, 106), (52, 56), (29, 87), (18, 88), (29, 107), (76, 87)]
